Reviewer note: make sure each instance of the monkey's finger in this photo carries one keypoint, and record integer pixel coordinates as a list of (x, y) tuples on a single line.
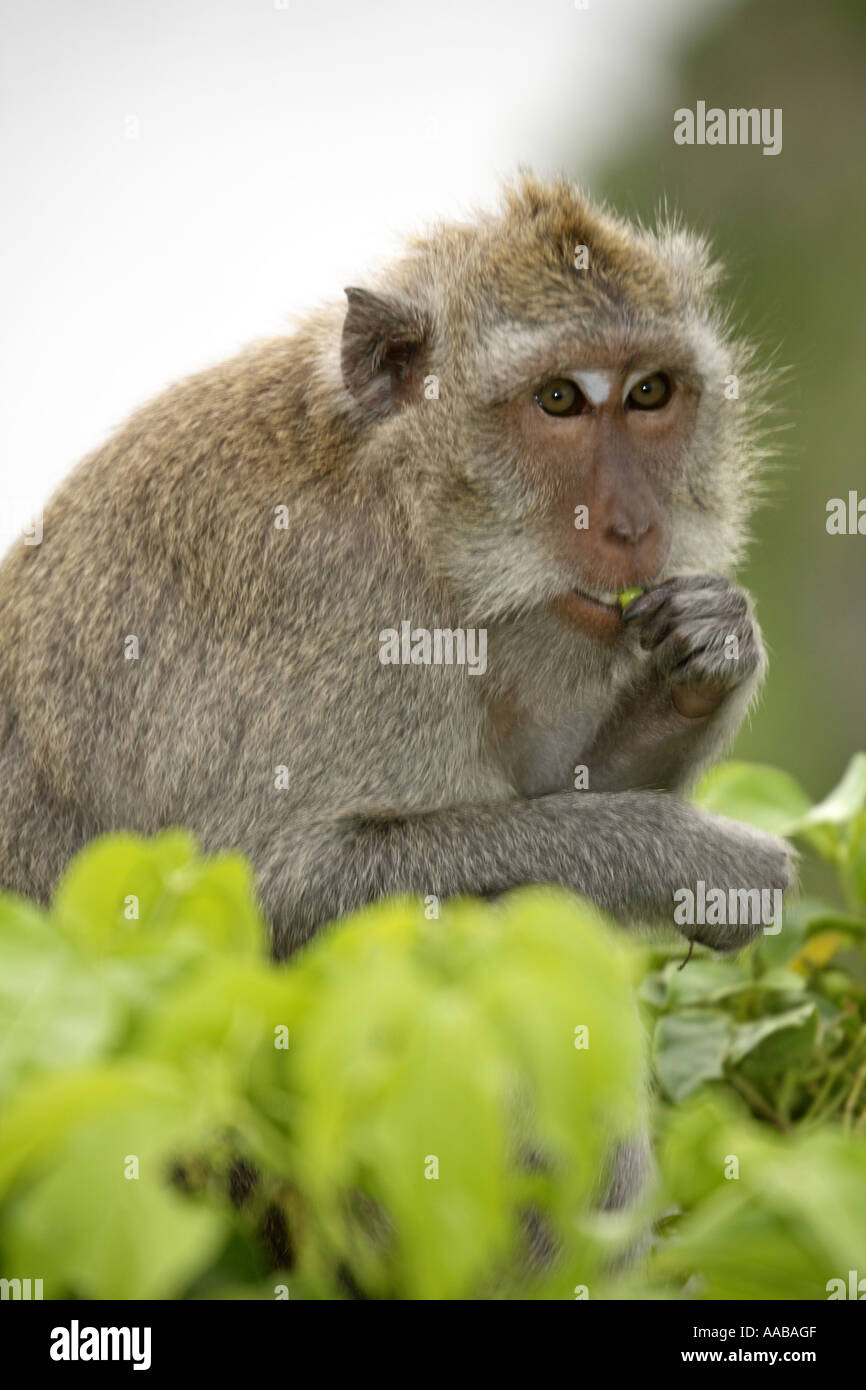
[(694, 581), (731, 937), (720, 670), (716, 610), (678, 645), (690, 584), (640, 608), (711, 660), (703, 644), (677, 583)]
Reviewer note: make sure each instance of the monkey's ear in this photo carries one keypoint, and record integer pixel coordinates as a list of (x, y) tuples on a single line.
[(382, 350)]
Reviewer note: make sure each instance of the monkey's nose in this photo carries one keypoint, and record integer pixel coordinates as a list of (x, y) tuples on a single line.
[(626, 530)]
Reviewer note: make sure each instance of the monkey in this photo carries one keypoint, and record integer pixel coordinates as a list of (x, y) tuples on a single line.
[(520, 417)]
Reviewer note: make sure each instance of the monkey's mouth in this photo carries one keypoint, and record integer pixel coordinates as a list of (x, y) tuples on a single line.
[(596, 611), (608, 598)]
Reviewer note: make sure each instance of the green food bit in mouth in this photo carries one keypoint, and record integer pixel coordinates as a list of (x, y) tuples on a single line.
[(627, 595)]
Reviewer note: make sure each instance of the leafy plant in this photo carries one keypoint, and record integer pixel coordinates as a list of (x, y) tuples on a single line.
[(767, 1216), (420, 1109), (784, 1024), (387, 1088)]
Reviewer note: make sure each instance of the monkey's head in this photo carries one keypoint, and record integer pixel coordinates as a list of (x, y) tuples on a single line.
[(554, 391)]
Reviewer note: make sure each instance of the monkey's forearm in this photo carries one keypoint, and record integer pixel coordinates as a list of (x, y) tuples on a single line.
[(628, 852)]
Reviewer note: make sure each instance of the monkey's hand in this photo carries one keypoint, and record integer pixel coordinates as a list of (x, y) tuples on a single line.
[(703, 638), (701, 659)]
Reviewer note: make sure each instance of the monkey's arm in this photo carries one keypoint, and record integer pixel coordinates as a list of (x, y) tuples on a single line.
[(704, 662), (629, 852)]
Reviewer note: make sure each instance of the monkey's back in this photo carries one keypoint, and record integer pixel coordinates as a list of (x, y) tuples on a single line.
[(204, 607)]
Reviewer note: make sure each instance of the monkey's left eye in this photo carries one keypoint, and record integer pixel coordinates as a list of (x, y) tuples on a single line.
[(651, 393), (561, 397)]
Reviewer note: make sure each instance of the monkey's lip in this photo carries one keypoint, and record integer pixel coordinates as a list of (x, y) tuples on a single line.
[(599, 614)]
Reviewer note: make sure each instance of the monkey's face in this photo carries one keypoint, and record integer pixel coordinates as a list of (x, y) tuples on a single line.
[(600, 445), (563, 433), (572, 455)]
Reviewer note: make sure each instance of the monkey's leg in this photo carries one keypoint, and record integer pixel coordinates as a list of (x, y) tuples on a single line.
[(631, 1169), (629, 852)]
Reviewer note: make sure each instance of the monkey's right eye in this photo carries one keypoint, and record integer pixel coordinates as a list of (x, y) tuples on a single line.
[(561, 397)]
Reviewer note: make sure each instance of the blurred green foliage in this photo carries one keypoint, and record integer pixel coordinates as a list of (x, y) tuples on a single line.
[(402, 1094), (791, 229), (387, 1086), (764, 1217)]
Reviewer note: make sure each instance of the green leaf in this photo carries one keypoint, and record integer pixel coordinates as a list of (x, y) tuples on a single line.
[(97, 1231), (771, 1217), (762, 796), (690, 1049), (55, 1010), (844, 801), (438, 1054), (775, 1043), (702, 981), (128, 895)]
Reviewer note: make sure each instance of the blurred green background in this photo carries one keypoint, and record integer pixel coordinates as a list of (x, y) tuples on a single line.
[(791, 230)]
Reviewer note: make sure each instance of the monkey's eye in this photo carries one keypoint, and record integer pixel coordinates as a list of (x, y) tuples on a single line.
[(561, 397), (651, 393)]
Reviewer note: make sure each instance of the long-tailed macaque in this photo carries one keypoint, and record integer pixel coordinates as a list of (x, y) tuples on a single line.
[(350, 601)]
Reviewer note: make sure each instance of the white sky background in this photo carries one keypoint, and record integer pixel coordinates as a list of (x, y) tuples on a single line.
[(278, 152)]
